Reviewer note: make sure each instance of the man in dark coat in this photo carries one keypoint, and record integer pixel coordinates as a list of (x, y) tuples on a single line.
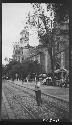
[(38, 92)]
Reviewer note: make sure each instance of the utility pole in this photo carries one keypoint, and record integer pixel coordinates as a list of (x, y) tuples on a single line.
[(52, 56), (52, 44)]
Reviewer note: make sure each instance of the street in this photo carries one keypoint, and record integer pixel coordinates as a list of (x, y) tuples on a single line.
[(20, 103)]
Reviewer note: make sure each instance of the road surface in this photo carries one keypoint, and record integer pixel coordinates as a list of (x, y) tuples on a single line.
[(19, 103)]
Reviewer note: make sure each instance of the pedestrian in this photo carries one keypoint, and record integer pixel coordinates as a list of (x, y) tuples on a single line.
[(35, 79), (27, 79), (38, 92), (22, 80), (16, 75)]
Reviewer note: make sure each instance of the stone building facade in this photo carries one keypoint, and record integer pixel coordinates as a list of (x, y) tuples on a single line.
[(62, 46), (40, 53), (21, 52), (65, 40)]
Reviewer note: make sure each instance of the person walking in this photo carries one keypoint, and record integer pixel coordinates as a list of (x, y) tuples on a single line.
[(22, 80), (38, 92)]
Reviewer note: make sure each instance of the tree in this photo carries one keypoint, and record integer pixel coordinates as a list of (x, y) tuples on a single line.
[(62, 11), (30, 67), (22, 69), (41, 19), (34, 67), (11, 68), (43, 24)]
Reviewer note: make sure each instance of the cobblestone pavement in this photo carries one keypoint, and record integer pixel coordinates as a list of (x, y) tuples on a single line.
[(45, 112)]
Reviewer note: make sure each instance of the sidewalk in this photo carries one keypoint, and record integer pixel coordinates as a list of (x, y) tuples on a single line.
[(6, 111), (4, 114), (62, 93)]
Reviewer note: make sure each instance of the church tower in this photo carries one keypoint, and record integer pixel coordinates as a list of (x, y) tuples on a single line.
[(24, 40)]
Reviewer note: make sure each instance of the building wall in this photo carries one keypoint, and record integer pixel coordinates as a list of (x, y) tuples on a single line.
[(67, 59), (65, 39), (38, 58), (48, 63), (25, 53), (15, 52), (42, 61), (45, 60)]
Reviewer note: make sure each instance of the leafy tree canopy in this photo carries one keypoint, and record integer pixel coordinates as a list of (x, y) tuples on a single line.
[(22, 69)]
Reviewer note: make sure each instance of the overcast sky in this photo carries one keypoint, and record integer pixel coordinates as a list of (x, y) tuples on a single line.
[(13, 21)]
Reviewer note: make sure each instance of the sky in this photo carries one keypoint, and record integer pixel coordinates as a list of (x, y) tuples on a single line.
[(13, 21)]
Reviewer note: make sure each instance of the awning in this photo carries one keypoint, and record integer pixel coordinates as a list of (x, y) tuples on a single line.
[(57, 71), (42, 75), (61, 70)]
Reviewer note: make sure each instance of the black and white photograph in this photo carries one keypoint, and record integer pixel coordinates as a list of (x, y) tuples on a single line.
[(35, 61)]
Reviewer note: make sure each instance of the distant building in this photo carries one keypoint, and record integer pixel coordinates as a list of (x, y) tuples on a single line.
[(16, 52), (40, 53), (21, 51)]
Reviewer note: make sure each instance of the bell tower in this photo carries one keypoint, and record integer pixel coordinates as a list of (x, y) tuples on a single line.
[(24, 40)]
